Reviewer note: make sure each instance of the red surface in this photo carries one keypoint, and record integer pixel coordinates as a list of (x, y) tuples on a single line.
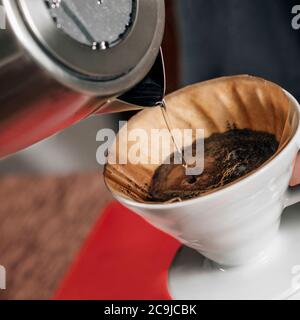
[(124, 258)]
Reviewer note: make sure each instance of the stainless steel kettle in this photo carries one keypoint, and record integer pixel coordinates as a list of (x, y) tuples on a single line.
[(63, 60)]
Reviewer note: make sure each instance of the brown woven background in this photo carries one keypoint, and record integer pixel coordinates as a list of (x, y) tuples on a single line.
[(43, 223)]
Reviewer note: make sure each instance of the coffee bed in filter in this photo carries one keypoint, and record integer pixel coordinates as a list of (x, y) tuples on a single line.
[(241, 102)]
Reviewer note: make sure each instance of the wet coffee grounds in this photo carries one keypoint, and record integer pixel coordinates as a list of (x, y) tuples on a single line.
[(227, 157)]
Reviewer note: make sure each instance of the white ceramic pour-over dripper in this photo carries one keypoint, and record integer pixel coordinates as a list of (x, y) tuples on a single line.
[(268, 267), (232, 225), (237, 225)]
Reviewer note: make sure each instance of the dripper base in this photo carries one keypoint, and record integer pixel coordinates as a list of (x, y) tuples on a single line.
[(275, 276)]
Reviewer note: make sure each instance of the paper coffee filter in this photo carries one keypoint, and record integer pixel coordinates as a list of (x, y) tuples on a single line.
[(242, 102)]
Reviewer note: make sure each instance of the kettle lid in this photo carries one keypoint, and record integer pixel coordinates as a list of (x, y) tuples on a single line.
[(102, 47)]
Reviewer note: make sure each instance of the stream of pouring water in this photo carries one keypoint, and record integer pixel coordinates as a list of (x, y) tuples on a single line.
[(163, 108)]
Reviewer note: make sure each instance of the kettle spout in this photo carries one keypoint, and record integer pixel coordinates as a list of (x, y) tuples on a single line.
[(151, 90)]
